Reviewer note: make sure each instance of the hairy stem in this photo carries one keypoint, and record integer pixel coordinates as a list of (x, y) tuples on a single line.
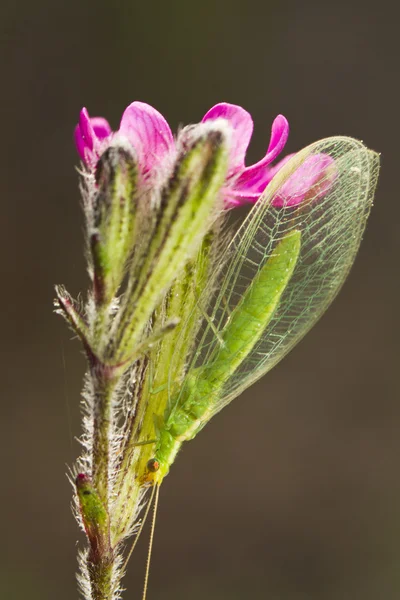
[(101, 576), (104, 386)]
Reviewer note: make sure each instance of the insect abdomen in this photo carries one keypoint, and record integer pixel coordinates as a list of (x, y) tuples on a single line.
[(204, 385)]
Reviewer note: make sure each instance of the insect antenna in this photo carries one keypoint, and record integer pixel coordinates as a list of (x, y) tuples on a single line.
[(153, 524), (139, 531)]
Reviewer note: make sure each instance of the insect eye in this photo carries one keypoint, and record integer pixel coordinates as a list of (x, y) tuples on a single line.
[(153, 465), (87, 492)]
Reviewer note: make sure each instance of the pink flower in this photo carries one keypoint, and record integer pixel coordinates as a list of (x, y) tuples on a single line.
[(143, 126), (89, 135), (151, 137), (246, 184)]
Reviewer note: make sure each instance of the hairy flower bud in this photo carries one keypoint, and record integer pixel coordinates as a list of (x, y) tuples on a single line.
[(94, 514), (190, 202), (111, 238)]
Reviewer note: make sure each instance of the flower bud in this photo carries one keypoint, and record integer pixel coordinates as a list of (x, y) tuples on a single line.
[(94, 515), (190, 202), (111, 238)]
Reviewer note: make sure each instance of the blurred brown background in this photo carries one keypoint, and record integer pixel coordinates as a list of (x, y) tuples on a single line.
[(293, 492)]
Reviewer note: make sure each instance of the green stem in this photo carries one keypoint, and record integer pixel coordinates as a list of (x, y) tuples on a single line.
[(101, 559), (104, 388), (101, 576)]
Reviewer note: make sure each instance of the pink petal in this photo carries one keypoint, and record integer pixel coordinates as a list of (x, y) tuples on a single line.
[(279, 136), (88, 132), (86, 128), (311, 181), (79, 142), (148, 132), (101, 127), (242, 125), (237, 196), (271, 171), (257, 174), (234, 197), (252, 193)]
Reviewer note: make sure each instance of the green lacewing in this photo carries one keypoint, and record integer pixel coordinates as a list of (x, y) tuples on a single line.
[(276, 278), (314, 242)]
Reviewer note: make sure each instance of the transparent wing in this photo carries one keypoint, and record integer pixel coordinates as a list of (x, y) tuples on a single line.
[(331, 217)]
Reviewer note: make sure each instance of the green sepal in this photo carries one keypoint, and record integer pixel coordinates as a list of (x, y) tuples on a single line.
[(66, 306), (111, 236)]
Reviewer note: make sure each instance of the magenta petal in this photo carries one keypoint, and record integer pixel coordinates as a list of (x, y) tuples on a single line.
[(242, 125), (83, 134), (88, 132), (79, 142), (86, 128), (311, 181), (279, 136), (148, 132), (257, 174), (271, 171), (233, 197), (101, 127)]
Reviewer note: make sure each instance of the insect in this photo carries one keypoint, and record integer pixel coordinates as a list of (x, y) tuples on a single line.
[(275, 279), (286, 264)]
